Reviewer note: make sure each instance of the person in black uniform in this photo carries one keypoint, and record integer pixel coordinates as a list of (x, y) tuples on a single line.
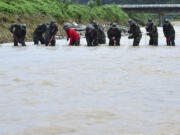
[(169, 33), (91, 36), (38, 33), (135, 32), (50, 33), (114, 35), (19, 33), (152, 32), (100, 32)]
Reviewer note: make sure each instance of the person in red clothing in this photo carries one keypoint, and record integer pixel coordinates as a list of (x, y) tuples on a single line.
[(72, 35)]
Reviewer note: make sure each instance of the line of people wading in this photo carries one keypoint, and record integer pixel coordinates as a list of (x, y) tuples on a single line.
[(95, 35)]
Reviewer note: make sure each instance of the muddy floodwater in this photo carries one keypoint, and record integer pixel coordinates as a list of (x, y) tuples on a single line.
[(84, 90)]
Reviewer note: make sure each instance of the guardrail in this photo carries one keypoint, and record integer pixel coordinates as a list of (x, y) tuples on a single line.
[(151, 6)]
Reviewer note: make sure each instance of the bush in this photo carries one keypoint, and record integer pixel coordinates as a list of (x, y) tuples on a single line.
[(58, 9), (109, 13)]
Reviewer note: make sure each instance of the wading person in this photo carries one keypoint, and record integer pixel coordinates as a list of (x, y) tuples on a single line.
[(72, 35), (91, 36), (19, 33), (169, 33), (38, 34), (114, 35), (100, 32), (152, 32), (50, 33), (135, 32)]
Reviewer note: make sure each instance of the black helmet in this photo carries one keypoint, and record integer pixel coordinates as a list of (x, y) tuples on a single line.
[(65, 27), (53, 22), (113, 25), (47, 23), (89, 27), (130, 21), (23, 26), (166, 21), (150, 20)]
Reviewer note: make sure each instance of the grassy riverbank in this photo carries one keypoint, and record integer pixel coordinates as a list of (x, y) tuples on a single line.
[(38, 11), (34, 12)]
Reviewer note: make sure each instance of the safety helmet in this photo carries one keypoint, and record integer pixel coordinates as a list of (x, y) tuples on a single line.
[(65, 27), (89, 27), (150, 20), (23, 26), (53, 22), (114, 25), (130, 21), (47, 23), (166, 21)]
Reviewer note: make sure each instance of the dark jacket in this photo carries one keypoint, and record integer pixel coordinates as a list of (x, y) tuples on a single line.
[(100, 33), (114, 33), (41, 28), (52, 30), (19, 30), (152, 30), (135, 31), (168, 30), (91, 37), (50, 35)]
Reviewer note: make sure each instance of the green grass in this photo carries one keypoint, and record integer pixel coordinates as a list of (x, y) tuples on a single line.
[(61, 10)]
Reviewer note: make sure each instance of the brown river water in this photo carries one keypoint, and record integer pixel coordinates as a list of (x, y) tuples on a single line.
[(84, 90)]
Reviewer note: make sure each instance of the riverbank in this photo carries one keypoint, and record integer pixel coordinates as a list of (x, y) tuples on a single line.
[(33, 20), (30, 21), (35, 12)]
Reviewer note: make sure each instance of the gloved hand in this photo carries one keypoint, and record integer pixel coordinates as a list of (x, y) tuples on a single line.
[(55, 33), (67, 39)]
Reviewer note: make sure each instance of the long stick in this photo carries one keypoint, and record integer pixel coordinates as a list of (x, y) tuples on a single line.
[(50, 40), (145, 38), (169, 40), (16, 38)]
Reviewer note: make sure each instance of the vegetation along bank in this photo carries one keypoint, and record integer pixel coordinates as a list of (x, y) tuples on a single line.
[(34, 12)]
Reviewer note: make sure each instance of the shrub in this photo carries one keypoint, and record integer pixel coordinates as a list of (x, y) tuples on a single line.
[(64, 10)]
